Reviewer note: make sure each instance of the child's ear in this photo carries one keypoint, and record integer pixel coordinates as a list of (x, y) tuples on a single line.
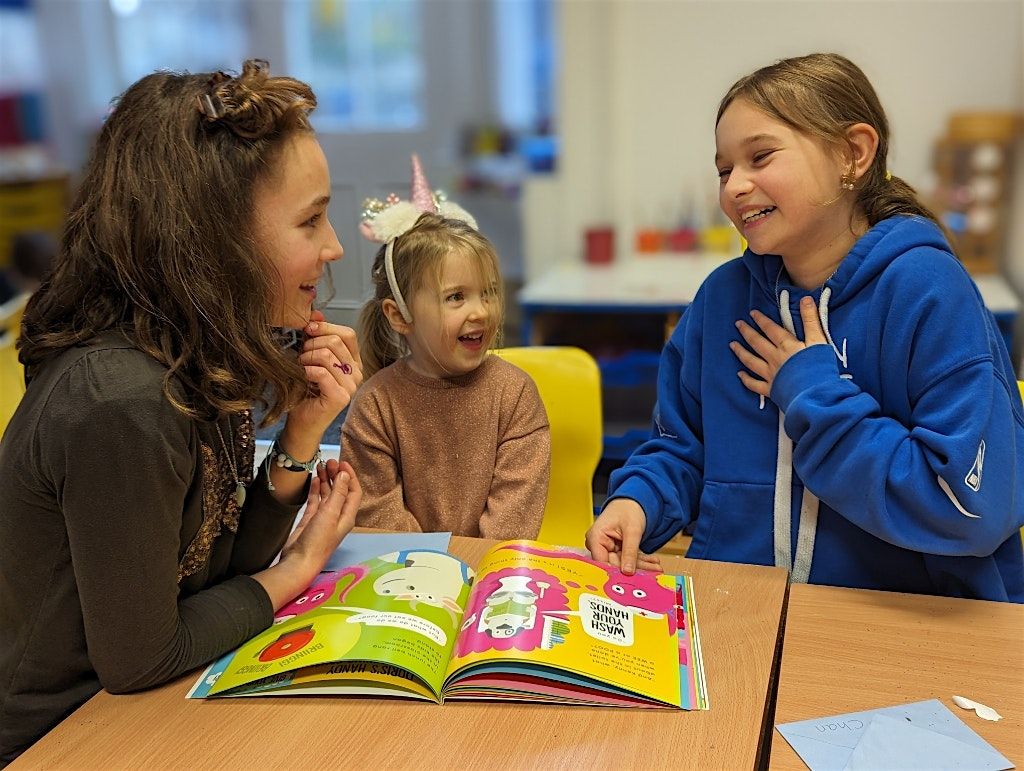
[(862, 144), (394, 317)]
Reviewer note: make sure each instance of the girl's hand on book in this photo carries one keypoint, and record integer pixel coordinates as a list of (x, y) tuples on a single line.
[(644, 561), (650, 562), (615, 536)]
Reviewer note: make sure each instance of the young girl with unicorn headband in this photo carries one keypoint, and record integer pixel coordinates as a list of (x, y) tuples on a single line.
[(443, 436)]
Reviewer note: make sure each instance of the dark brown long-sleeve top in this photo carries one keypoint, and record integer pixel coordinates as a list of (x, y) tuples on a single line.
[(469, 454), (123, 556)]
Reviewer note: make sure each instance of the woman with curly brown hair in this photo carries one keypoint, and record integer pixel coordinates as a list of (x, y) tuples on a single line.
[(134, 543)]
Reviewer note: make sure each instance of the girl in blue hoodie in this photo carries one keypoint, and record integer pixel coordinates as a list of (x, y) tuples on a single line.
[(873, 436)]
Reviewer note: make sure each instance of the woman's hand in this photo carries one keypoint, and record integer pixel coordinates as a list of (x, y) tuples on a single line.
[(330, 355), (615, 536), (334, 495), (773, 346)]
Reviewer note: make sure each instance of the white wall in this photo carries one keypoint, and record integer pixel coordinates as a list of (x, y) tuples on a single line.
[(641, 81), (1015, 253)]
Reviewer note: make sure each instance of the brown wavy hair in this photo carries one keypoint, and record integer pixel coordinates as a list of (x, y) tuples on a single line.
[(418, 257), (822, 95), (159, 242)]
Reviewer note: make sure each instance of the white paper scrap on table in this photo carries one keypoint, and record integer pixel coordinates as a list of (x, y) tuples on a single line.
[(984, 712)]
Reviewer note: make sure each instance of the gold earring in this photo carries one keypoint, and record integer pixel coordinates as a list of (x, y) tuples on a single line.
[(846, 181)]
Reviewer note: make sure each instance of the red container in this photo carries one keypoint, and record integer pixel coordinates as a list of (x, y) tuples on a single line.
[(600, 245), (682, 240)]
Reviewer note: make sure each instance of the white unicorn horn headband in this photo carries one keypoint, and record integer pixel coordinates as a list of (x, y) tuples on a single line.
[(384, 221)]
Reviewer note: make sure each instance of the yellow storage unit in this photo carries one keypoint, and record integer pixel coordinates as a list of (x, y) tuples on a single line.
[(36, 204)]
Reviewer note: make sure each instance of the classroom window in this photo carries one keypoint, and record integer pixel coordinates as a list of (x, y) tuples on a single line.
[(364, 60), (524, 42), (20, 62), (192, 35)]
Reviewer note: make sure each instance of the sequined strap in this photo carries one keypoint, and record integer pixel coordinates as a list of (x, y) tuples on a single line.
[(245, 445), (220, 506)]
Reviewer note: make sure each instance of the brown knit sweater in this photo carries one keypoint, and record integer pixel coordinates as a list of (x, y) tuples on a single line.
[(124, 559), (470, 454)]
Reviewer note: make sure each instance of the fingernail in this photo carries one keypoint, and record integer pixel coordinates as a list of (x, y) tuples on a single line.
[(312, 326), (343, 476)]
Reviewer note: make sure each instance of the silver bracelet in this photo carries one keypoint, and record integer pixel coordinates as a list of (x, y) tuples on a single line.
[(284, 460), (280, 457)]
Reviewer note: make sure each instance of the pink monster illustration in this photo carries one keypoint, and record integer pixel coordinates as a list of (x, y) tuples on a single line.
[(641, 592), (320, 591), (507, 611)]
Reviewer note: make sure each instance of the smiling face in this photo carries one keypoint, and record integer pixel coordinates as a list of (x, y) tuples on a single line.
[(291, 225), (781, 188), (454, 318)]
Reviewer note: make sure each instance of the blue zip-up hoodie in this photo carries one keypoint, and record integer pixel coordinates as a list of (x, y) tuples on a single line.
[(891, 458)]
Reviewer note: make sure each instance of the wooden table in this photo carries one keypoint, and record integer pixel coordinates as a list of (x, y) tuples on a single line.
[(848, 650), (739, 609)]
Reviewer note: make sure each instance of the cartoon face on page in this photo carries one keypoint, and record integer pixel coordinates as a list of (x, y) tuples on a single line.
[(424, 577), (641, 592), (508, 611), (320, 591)]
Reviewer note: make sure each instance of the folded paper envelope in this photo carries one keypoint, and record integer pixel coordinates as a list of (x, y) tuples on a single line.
[(923, 735), (359, 547)]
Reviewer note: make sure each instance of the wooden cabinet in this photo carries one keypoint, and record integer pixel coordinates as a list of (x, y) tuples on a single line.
[(974, 163)]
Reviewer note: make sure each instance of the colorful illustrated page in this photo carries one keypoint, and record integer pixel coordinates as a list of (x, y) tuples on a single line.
[(544, 605), (371, 622)]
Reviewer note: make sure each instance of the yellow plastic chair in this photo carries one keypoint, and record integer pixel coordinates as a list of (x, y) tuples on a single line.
[(12, 378), (569, 383)]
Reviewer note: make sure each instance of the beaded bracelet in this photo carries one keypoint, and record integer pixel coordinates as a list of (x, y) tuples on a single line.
[(282, 459), (286, 461)]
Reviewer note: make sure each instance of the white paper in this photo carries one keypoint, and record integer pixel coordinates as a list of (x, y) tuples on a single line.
[(983, 711)]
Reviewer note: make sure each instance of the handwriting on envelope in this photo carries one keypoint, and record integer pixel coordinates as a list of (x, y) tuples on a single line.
[(921, 735)]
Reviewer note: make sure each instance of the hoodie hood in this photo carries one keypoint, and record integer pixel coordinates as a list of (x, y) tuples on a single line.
[(871, 254)]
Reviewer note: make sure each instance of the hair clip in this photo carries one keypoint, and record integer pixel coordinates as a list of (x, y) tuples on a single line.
[(207, 107)]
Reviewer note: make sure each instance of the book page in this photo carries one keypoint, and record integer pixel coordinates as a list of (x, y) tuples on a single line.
[(390, 615), (544, 605)]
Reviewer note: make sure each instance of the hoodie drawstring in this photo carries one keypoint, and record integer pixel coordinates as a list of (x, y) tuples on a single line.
[(807, 529), (826, 294)]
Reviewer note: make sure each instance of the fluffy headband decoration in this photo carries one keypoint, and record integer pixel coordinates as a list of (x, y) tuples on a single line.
[(384, 221)]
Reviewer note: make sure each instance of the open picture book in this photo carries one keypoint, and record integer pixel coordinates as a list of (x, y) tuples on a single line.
[(534, 623)]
